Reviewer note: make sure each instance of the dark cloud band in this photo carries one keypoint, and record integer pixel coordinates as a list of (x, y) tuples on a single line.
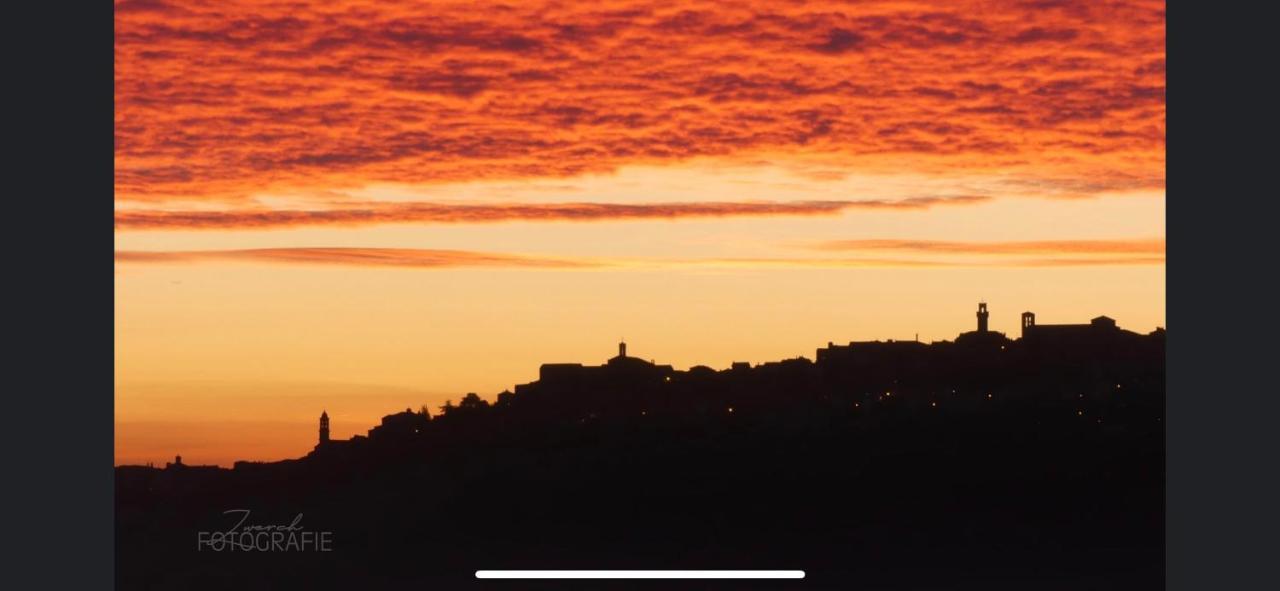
[(437, 213)]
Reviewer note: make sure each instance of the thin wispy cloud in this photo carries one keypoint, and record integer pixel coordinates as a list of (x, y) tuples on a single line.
[(438, 213), (413, 258), (1148, 246), (360, 257)]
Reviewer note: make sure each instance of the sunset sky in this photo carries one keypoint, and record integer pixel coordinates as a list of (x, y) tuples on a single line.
[(358, 207)]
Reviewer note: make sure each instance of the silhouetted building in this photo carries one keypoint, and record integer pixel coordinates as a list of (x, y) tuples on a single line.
[(329, 447), (871, 352), (871, 362), (574, 389), (177, 466), (983, 337), (578, 375), (399, 426), (1102, 327), (559, 372)]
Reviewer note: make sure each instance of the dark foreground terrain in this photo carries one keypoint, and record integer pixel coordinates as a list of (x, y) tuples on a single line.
[(1009, 467)]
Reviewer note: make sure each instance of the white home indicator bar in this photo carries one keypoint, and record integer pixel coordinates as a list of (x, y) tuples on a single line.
[(639, 574)]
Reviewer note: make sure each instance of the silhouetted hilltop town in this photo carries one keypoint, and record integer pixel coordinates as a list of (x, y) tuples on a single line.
[(943, 372), (1041, 455)]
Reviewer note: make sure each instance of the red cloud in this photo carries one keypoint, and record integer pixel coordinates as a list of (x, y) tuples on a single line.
[(234, 97)]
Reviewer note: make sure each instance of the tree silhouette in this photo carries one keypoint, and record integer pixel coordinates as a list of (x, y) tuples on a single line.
[(473, 401)]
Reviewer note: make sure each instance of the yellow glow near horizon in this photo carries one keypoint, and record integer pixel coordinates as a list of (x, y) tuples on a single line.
[(212, 342)]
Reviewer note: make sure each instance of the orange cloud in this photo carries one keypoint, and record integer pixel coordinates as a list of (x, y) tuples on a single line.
[(402, 213), (363, 257), (221, 100), (437, 259), (1047, 247)]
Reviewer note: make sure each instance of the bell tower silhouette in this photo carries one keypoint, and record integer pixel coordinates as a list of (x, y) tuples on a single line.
[(622, 348), (324, 427), (1028, 323), (982, 317)]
